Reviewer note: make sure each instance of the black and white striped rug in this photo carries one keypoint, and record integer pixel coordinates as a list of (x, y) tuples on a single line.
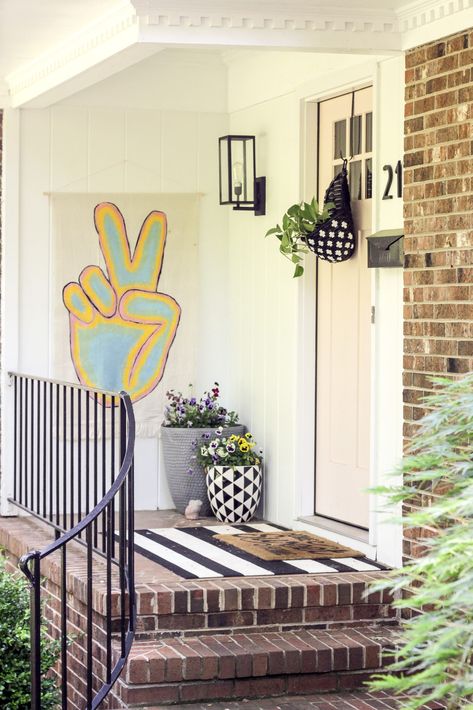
[(195, 553)]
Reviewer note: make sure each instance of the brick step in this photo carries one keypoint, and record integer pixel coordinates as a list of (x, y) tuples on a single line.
[(278, 603), (356, 700), (222, 666)]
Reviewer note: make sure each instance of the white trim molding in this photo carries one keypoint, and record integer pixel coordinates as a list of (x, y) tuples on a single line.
[(296, 15), (428, 20), (263, 24)]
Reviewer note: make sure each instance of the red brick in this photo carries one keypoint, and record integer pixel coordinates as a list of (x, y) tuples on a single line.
[(312, 683), (207, 691)]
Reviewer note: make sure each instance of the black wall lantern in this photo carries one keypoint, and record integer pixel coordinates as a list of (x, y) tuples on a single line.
[(239, 185)]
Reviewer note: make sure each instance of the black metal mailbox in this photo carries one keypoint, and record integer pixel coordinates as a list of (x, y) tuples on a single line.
[(385, 249)]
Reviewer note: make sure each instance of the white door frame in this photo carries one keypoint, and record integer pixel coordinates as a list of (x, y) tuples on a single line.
[(357, 77)]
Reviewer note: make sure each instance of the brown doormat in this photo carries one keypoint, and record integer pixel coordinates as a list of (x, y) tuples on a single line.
[(287, 545)]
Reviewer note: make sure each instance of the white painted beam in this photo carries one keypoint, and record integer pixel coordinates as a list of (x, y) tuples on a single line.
[(108, 45)]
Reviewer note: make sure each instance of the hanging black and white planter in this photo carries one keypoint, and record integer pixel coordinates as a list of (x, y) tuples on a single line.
[(334, 240)]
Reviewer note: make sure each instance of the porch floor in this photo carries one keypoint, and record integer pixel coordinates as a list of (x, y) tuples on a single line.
[(164, 592), (151, 572)]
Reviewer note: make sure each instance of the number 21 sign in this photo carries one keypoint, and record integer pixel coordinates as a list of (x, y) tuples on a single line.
[(391, 172)]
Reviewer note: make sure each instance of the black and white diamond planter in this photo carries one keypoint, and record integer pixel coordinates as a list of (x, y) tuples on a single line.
[(234, 492)]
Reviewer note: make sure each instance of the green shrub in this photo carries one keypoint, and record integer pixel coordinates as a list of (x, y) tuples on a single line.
[(15, 676), (436, 591)]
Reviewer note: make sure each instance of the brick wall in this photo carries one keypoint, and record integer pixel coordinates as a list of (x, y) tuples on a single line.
[(438, 212)]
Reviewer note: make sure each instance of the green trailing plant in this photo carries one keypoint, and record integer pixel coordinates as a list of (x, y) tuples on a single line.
[(300, 220), (434, 661), (15, 674)]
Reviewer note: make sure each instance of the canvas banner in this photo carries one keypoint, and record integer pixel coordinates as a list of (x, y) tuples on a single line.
[(75, 247)]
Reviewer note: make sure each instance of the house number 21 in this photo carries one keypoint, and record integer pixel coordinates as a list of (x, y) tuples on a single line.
[(398, 171)]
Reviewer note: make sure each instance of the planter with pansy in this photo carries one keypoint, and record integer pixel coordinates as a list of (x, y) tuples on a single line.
[(234, 476), (188, 420)]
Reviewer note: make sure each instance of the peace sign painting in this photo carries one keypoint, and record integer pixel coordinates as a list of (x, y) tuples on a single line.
[(121, 327)]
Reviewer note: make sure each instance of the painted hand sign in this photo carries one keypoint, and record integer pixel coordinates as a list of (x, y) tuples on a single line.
[(121, 328)]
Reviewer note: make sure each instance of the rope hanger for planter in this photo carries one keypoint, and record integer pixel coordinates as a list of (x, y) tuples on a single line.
[(334, 240)]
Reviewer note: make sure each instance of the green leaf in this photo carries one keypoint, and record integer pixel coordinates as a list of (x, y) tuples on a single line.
[(294, 210), (307, 212), (285, 241), (298, 271), (273, 230)]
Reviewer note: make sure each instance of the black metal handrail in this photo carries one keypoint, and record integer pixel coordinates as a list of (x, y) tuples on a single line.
[(64, 460)]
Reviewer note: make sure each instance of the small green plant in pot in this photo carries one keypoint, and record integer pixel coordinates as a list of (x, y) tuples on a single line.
[(234, 475), (298, 222)]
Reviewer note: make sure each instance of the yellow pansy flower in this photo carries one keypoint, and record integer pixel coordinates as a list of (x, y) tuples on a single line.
[(244, 447), (233, 437)]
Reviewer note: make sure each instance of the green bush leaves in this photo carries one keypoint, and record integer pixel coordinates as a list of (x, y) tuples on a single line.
[(15, 676), (435, 591)]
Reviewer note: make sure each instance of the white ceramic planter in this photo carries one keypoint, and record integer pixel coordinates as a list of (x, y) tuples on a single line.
[(234, 492)]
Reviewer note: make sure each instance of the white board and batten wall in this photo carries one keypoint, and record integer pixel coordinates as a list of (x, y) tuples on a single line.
[(133, 133)]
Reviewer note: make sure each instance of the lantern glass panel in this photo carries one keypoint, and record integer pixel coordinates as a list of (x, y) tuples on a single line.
[(243, 176), (224, 176)]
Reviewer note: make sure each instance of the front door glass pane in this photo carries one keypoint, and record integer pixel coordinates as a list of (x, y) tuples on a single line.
[(340, 141), (369, 178), (355, 180), (369, 133), (355, 135)]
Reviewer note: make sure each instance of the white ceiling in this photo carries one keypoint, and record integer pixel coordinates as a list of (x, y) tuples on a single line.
[(29, 28)]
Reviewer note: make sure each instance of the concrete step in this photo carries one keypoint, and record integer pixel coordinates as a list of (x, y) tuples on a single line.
[(222, 666), (267, 603)]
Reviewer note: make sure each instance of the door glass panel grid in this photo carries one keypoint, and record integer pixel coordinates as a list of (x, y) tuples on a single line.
[(356, 132)]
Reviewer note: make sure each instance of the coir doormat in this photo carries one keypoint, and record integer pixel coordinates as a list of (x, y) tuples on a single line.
[(288, 545), (199, 553)]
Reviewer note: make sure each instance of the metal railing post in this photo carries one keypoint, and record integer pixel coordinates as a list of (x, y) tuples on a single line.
[(65, 463), (30, 565)]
